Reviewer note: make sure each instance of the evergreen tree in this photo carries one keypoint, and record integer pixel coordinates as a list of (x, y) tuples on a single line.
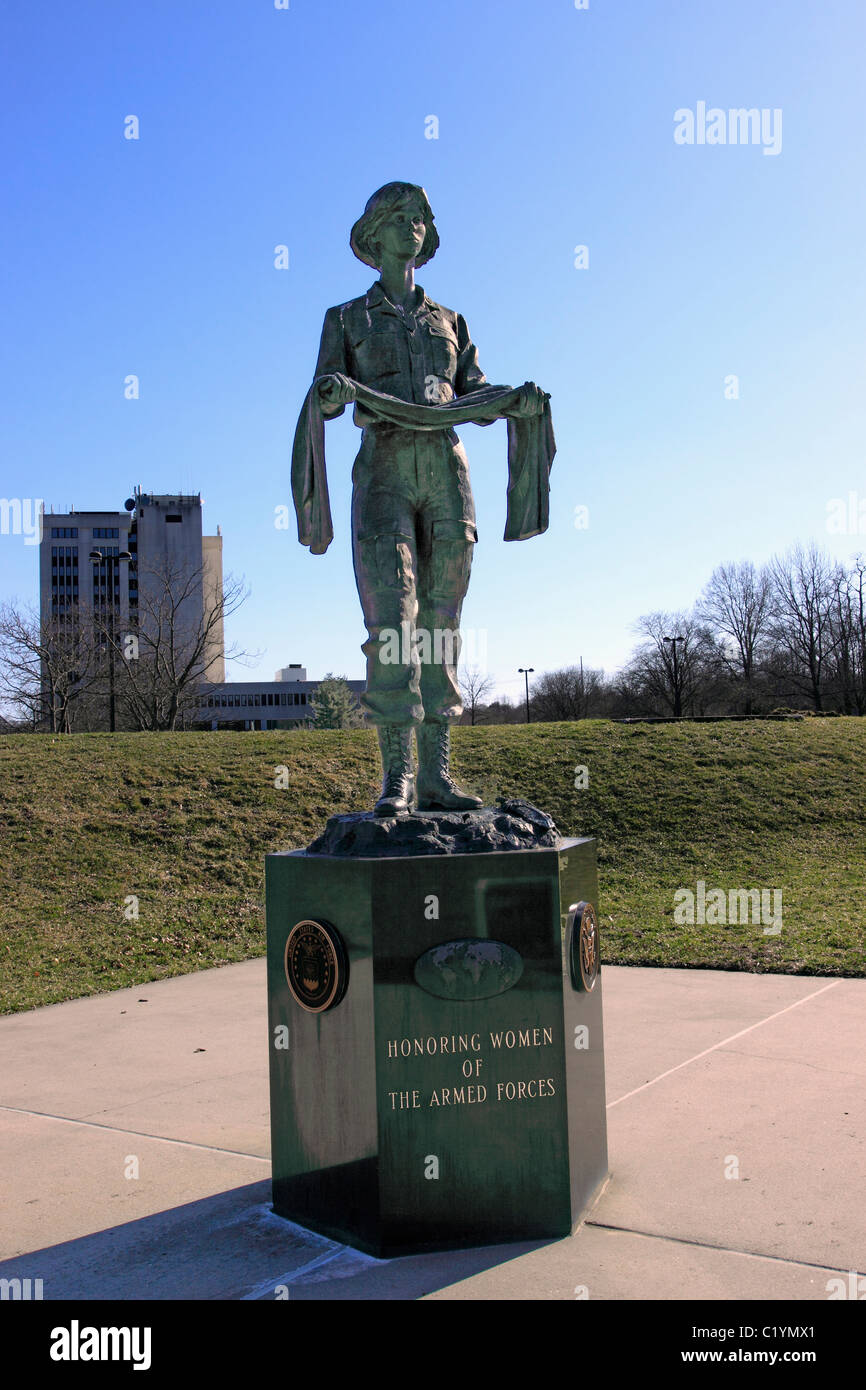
[(335, 706)]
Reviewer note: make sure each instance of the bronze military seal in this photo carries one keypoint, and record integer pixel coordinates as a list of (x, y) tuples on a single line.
[(317, 966)]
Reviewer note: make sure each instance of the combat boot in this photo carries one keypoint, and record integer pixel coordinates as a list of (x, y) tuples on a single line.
[(397, 782), (437, 790)]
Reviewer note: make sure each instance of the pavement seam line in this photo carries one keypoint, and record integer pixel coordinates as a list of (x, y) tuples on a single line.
[(723, 1249), (268, 1285), (139, 1133), (723, 1043)]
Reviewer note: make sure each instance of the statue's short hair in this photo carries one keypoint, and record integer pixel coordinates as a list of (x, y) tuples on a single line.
[(384, 201)]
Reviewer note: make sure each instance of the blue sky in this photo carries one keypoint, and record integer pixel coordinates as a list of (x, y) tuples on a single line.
[(261, 127)]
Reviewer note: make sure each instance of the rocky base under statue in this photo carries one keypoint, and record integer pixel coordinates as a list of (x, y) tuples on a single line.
[(513, 824)]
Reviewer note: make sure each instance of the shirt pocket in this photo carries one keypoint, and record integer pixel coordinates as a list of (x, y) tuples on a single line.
[(377, 358), (443, 351)]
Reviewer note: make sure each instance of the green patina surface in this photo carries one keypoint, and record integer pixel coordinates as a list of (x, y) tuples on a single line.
[(491, 1089)]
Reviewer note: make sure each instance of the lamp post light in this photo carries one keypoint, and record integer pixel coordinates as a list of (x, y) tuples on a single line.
[(678, 704), (110, 561), (526, 672)]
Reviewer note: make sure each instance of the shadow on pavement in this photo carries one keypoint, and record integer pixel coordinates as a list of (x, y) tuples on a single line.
[(232, 1246)]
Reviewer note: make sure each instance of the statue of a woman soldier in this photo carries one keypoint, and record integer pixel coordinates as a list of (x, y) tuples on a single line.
[(411, 369)]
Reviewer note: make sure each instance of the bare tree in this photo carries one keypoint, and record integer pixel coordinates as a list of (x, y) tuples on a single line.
[(857, 609), (572, 693), (849, 631), (804, 583), (501, 711), (47, 666), (474, 685), (737, 603), (680, 667), (626, 695), (168, 656)]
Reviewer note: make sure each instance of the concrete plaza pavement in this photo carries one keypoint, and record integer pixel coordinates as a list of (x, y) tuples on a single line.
[(134, 1141)]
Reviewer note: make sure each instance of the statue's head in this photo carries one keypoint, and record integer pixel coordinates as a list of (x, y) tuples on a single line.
[(384, 202)]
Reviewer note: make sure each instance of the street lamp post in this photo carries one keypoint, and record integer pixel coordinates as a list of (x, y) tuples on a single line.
[(678, 704), (110, 561), (526, 672)]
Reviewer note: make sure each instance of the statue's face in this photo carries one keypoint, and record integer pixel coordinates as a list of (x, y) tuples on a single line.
[(403, 231)]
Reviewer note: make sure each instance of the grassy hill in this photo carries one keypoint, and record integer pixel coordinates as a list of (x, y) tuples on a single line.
[(182, 823)]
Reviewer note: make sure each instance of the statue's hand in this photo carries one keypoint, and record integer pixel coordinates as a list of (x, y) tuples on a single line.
[(531, 401), (336, 389)]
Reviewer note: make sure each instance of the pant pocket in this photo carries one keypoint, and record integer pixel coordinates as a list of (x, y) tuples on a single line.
[(451, 558), (387, 561)]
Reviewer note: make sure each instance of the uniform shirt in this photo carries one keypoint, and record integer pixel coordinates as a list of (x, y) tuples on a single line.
[(423, 355)]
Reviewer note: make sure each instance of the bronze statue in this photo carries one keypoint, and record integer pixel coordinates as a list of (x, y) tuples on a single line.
[(411, 369)]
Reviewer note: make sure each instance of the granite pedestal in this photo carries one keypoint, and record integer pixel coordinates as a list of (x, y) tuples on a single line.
[(436, 1045)]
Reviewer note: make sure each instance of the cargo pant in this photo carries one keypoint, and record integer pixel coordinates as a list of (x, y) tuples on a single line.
[(413, 529)]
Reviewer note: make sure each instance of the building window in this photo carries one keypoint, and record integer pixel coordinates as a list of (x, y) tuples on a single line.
[(173, 516), (105, 533)]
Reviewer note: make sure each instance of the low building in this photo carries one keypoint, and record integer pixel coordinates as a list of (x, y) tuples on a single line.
[(276, 704)]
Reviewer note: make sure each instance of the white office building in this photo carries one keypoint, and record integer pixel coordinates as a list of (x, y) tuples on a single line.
[(161, 534), (158, 536), (276, 704)]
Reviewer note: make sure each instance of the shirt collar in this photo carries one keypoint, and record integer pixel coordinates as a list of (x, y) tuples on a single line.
[(377, 299)]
